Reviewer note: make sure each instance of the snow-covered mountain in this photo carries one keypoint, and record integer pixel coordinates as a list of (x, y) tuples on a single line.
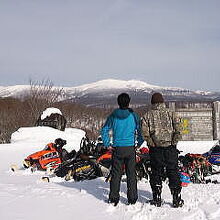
[(104, 92)]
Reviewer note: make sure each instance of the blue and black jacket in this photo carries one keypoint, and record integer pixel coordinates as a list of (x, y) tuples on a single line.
[(125, 127)]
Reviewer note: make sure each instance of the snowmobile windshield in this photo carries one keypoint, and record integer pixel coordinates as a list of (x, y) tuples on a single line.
[(46, 147)]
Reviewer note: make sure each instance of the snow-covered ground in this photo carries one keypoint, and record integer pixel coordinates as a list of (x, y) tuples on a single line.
[(24, 196), (195, 147)]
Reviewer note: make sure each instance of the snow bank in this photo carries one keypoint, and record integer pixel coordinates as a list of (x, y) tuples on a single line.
[(50, 111), (195, 147), (28, 140), (45, 135)]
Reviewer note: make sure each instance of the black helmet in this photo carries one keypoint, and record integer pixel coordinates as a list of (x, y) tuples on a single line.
[(60, 142)]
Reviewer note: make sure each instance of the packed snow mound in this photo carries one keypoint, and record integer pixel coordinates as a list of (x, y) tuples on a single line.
[(49, 111), (195, 147), (45, 135)]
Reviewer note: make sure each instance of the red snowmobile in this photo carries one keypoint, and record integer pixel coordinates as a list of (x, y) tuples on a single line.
[(50, 157)]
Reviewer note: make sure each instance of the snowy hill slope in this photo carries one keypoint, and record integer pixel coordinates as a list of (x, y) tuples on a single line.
[(24, 196), (14, 91)]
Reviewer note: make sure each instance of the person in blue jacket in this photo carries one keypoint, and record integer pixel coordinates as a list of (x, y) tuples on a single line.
[(126, 134)]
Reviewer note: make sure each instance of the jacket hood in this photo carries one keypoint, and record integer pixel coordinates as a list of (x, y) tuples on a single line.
[(121, 113)]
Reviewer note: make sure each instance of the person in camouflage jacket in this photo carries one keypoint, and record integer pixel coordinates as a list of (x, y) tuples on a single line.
[(161, 130)]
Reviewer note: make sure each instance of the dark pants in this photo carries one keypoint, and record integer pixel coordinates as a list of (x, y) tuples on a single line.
[(164, 162), (123, 156)]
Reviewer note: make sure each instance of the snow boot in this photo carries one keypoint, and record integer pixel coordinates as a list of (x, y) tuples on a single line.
[(114, 202), (132, 201), (177, 201), (156, 196)]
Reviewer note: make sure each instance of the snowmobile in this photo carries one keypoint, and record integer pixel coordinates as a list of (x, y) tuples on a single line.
[(50, 157), (88, 163), (196, 165), (91, 162), (213, 157)]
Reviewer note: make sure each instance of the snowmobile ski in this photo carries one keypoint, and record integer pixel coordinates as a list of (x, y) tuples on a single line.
[(14, 167), (45, 179), (48, 175), (212, 181)]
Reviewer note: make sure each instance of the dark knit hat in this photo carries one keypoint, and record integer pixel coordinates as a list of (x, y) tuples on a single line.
[(123, 100), (157, 98)]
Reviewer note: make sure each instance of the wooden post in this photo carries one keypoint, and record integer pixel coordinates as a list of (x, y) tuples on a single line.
[(216, 120)]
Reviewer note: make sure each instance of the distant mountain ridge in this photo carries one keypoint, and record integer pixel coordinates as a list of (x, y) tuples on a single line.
[(104, 92)]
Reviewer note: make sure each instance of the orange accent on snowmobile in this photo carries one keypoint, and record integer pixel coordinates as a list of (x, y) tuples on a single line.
[(49, 157), (107, 155), (198, 160)]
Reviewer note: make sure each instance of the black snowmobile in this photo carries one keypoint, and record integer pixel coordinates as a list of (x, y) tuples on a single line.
[(86, 164)]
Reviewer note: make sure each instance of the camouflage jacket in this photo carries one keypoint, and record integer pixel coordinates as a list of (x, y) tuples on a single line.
[(160, 126)]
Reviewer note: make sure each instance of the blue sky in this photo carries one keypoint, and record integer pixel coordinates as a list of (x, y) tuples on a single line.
[(167, 43)]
